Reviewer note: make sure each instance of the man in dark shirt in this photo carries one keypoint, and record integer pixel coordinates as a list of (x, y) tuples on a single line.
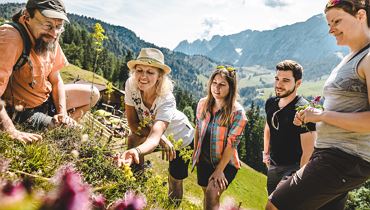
[(286, 147)]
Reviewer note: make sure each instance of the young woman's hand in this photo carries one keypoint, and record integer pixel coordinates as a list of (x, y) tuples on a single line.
[(219, 179)]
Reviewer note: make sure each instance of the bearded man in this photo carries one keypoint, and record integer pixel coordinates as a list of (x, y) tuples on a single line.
[(287, 147), (35, 93)]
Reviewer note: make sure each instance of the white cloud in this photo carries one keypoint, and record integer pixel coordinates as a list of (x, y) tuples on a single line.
[(212, 25), (167, 22), (275, 3)]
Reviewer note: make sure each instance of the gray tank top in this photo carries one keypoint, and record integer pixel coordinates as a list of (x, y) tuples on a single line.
[(345, 91)]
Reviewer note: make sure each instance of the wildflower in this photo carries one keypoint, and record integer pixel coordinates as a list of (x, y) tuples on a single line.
[(72, 194), (84, 138), (315, 103), (75, 153), (229, 204), (12, 193), (132, 201), (98, 202)]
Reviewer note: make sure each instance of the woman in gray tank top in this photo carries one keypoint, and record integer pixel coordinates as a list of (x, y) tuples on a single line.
[(341, 160)]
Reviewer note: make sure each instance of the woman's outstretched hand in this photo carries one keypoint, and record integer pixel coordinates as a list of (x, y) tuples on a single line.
[(127, 158)]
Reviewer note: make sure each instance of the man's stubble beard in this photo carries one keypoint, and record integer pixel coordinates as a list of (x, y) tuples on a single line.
[(286, 94)]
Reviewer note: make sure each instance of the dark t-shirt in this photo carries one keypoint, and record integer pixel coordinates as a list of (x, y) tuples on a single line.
[(285, 143), (205, 155)]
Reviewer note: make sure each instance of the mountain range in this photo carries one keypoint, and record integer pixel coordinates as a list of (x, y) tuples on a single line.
[(307, 42)]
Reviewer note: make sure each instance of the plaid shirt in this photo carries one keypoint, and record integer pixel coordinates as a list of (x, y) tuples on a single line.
[(221, 136)]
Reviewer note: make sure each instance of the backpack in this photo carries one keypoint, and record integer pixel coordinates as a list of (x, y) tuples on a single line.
[(25, 56)]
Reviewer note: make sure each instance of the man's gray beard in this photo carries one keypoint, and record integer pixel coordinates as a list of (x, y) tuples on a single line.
[(42, 47)]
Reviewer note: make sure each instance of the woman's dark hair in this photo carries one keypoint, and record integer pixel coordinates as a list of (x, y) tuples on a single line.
[(351, 7)]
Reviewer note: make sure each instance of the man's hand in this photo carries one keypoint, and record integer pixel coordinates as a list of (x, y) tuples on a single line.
[(64, 119), (24, 137), (168, 150)]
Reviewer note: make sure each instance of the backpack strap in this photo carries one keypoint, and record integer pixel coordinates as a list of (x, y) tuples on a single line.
[(25, 56)]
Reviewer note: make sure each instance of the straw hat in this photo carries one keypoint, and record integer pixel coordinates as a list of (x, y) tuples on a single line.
[(150, 57)]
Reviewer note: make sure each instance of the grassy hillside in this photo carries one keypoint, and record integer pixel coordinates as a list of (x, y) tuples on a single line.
[(249, 186), (71, 72)]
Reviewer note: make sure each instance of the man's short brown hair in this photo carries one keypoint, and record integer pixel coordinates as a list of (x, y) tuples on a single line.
[(290, 65)]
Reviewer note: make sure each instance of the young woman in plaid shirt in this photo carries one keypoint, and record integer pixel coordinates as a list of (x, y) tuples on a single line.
[(220, 124)]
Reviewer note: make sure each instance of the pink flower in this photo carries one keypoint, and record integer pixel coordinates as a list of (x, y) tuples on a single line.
[(132, 201), (73, 194), (229, 204), (12, 193), (98, 202), (316, 100)]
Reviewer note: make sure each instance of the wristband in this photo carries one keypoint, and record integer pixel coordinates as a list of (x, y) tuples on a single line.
[(138, 150)]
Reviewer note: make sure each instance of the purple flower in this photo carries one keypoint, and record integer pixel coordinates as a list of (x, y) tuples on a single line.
[(98, 202), (132, 201), (12, 193), (73, 194), (316, 100)]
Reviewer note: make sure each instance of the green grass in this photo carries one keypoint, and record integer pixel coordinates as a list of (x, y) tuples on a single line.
[(71, 72), (248, 187)]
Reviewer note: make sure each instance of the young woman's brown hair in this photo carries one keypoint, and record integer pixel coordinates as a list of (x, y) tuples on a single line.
[(229, 74)]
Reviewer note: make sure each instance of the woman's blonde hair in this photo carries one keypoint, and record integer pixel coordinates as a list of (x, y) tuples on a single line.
[(164, 84)]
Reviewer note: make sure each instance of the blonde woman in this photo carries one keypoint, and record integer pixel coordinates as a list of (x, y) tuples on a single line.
[(220, 123), (152, 115)]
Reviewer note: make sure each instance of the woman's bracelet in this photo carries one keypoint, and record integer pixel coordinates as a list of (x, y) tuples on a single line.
[(138, 150)]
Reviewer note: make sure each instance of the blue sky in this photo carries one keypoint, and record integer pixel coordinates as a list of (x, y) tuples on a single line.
[(167, 22)]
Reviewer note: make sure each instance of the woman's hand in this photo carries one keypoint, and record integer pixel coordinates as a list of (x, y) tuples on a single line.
[(310, 114), (127, 158), (219, 179), (168, 149)]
